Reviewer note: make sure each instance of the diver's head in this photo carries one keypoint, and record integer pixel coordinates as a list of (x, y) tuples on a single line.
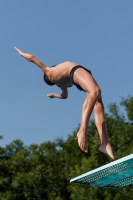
[(46, 79)]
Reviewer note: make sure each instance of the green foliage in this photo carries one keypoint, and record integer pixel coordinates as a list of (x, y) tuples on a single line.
[(43, 172), (128, 104)]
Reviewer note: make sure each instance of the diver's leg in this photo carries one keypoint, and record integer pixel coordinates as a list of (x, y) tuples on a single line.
[(100, 122), (87, 82)]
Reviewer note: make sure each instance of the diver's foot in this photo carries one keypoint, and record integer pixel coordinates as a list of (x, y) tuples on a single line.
[(107, 149), (82, 141)]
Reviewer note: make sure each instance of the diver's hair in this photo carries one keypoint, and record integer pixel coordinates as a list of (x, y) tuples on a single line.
[(47, 80)]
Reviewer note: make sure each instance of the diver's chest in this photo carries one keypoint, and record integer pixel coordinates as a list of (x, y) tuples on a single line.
[(64, 82)]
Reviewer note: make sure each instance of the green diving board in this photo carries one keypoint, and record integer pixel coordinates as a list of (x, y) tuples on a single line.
[(116, 174)]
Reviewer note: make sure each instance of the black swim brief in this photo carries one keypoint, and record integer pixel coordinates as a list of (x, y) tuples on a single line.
[(71, 75)]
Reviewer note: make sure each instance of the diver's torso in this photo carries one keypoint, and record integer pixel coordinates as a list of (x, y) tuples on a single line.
[(60, 74)]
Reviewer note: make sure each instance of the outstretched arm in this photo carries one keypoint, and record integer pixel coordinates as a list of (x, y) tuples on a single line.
[(64, 94), (32, 58)]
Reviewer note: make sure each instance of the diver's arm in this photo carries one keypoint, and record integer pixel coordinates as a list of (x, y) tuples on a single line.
[(64, 94), (32, 58)]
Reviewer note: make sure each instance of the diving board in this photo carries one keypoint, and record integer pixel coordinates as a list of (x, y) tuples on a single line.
[(116, 174)]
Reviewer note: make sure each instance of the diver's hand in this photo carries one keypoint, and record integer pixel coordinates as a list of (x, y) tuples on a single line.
[(27, 56), (18, 50), (51, 95)]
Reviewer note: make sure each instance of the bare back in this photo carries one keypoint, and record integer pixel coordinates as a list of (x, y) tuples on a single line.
[(60, 75)]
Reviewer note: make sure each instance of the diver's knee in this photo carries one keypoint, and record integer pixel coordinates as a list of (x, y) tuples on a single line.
[(95, 93)]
